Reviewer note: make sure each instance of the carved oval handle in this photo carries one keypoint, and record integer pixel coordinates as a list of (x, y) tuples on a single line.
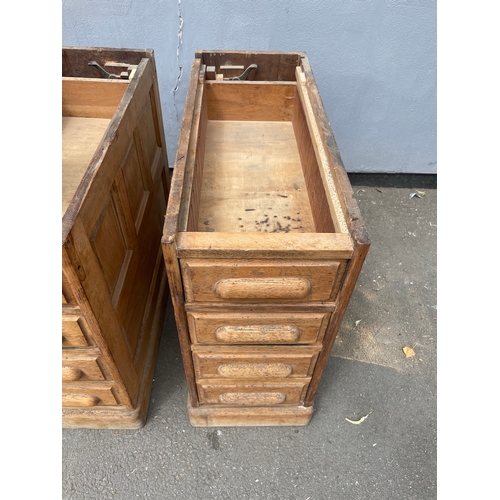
[(252, 398), (262, 288), (257, 334), (79, 400), (70, 374), (248, 370)]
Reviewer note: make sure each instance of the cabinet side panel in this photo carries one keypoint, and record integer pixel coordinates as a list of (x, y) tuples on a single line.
[(310, 168)]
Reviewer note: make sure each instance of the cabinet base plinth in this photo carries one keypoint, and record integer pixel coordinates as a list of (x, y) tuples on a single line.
[(232, 416), (111, 418)]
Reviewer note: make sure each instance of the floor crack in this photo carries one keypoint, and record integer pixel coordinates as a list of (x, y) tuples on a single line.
[(179, 43)]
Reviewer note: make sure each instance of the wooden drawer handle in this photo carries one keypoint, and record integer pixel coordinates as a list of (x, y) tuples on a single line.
[(242, 370), (70, 374), (262, 288), (79, 400), (252, 398), (257, 334)]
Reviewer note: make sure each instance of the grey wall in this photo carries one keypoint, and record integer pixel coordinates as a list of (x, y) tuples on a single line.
[(374, 61)]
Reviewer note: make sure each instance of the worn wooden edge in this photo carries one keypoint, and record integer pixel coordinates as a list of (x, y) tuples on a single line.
[(257, 83), (199, 52), (104, 418), (228, 416), (258, 306), (71, 311), (177, 297), (81, 353), (190, 165), (264, 245), (171, 224), (74, 206), (345, 192)]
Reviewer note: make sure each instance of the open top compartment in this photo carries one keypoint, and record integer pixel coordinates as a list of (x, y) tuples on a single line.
[(254, 159), (94, 84)]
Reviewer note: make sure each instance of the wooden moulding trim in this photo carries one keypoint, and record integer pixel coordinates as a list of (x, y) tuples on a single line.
[(343, 186), (101, 150), (171, 225), (321, 155), (264, 245), (260, 306)]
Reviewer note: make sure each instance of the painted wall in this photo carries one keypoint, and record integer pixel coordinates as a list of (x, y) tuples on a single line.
[(374, 61)]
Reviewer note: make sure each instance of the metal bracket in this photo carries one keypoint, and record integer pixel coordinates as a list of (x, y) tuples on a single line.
[(109, 76), (245, 73)]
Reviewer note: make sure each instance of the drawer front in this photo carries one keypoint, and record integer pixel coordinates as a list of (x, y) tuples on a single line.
[(74, 331), (81, 366), (88, 394), (252, 393), (257, 328), (217, 280), (254, 362)]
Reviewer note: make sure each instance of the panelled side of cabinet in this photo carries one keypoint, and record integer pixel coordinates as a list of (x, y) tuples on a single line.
[(114, 279)]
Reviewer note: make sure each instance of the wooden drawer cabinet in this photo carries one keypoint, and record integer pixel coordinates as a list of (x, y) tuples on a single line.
[(262, 241), (116, 182)]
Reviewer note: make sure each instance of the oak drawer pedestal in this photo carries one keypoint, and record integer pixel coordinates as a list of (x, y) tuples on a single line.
[(263, 240), (115, 190)]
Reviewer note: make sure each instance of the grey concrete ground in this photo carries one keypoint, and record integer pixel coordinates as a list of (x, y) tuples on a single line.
[(390, 455)]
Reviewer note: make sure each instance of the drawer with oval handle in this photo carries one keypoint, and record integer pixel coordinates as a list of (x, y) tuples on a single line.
[(87, 394), (81, 364), (220, 280), (257, 328), (252, 392), (254, 362), (74, 331)]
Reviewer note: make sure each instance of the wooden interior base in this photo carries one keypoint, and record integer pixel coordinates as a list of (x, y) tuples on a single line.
[(80, 138), (245, 416), (253, 180)]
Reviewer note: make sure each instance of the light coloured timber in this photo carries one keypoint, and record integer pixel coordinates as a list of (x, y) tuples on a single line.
[(114, 285), (80, 138), (262, 240)]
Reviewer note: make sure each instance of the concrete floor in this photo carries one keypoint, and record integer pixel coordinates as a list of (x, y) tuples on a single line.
[(391, 455)]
